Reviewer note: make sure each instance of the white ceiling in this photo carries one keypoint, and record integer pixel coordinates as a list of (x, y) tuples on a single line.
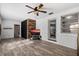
[(18, 11)]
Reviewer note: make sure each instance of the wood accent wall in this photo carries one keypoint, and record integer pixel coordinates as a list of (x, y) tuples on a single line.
[(31, 26)]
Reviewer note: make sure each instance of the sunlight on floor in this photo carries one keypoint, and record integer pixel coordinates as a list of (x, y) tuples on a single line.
[(15, 44)]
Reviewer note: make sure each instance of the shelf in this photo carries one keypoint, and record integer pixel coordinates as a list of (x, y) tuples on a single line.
[(52, 29), (65, 23)]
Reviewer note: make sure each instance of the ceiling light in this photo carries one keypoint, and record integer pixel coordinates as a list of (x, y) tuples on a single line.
[(68, 17)]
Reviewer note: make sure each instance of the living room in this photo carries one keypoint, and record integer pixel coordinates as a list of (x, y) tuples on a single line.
[(12, 14)]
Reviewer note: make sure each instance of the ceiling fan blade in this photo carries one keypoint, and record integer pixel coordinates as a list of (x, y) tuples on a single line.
[(40, 6), (29, 7), (42, 11), (30, 12)]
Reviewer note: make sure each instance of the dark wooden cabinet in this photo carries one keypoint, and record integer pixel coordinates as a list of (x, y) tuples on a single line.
[(26, 27)]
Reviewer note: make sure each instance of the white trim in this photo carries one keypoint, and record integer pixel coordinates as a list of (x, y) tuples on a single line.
[(59, 44)]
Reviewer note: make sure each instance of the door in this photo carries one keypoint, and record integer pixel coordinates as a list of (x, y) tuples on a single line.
[(16, 31)]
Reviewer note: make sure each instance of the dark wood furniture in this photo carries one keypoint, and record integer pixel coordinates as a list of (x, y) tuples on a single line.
[(26, 27)]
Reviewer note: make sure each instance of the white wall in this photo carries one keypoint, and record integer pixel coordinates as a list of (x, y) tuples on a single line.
[(65, 39), (8, 33)]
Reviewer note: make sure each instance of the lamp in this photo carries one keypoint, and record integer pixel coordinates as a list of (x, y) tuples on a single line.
[(75, 28)]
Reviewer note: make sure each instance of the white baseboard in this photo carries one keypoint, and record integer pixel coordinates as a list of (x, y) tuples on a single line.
[(60, 44)]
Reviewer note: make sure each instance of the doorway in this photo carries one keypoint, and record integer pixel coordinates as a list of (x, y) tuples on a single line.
[(16, 31), (52, 30)]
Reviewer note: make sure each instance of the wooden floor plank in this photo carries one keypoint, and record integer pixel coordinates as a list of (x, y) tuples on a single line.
[(19, 47)]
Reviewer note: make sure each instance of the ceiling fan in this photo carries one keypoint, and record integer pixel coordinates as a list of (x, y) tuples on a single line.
[(36, 9)]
